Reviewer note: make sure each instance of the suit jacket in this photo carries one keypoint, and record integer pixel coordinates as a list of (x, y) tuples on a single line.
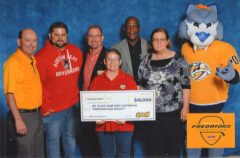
[(98, 66), (123, 48)]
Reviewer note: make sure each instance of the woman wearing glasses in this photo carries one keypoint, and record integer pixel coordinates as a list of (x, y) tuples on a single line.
[(114, 136), (168, 73)]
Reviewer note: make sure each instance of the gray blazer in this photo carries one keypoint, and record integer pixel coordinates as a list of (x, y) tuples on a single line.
[(123, 48)]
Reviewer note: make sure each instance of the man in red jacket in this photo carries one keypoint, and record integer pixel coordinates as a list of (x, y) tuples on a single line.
[(59, 64)]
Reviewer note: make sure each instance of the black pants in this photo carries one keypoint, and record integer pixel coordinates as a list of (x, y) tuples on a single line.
[(165, 135)]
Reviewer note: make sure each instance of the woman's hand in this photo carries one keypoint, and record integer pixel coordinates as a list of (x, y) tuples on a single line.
[(98, 123), (185, 108), (184, 113), (120, 122)]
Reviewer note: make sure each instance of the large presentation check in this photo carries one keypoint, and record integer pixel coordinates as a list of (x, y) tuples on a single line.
[(118, 105)]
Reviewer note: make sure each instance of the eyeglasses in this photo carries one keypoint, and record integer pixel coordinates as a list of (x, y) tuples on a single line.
[(159, 39), (112, 59), (94, 36)]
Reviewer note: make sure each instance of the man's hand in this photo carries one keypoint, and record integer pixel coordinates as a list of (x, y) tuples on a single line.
[(21, 127), (227, 73), (48, 113)]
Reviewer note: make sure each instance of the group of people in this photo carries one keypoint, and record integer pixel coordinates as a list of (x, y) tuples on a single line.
[(48, 84), (42, 93)]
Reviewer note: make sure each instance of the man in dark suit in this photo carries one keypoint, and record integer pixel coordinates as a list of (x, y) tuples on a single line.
[(93, 58), (93, 65)]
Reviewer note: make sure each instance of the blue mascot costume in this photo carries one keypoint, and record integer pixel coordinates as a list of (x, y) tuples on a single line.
[(214, 64)]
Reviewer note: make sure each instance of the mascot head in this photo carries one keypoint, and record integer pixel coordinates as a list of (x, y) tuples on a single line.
[(201, 26)]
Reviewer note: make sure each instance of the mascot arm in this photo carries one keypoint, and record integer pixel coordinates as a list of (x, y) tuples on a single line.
[(228, 73)]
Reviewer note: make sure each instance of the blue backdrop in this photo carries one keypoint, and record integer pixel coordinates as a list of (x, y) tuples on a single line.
[(110, 15)]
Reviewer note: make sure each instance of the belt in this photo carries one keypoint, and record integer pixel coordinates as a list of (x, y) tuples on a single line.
[(29, 110)]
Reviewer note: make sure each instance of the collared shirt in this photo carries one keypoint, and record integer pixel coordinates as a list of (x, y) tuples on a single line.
[(20, 77), (91, 60), (135, 53)]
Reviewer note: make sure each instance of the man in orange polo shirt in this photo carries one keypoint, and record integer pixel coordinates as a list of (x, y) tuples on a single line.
[(23, 92)]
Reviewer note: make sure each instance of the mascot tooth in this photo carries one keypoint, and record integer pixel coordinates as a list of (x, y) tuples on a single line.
[(214, 64)]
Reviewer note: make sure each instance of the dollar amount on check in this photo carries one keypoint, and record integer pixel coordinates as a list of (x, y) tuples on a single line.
[(117, 105)]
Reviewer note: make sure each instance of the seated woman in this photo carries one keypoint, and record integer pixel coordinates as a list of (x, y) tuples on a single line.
[(114, 136), (168, 73)]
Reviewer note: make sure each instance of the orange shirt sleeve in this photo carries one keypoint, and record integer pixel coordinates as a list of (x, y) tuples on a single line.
[(10, 76)]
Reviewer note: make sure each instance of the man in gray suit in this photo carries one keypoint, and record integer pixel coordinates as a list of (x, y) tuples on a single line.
[(132, 48)]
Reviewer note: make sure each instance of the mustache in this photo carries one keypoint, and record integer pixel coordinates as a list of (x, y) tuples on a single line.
[(58, 45)]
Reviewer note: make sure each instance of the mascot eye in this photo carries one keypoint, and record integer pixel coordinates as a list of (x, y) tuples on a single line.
[(209, 25), (196, 24)]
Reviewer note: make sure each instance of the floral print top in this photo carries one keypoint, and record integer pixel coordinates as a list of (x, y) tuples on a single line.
[(168, 81)]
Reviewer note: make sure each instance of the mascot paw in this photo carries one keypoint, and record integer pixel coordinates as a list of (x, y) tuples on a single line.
[(227, 73)]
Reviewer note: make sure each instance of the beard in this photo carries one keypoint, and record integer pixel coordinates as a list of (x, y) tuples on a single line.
[(58, 45)]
